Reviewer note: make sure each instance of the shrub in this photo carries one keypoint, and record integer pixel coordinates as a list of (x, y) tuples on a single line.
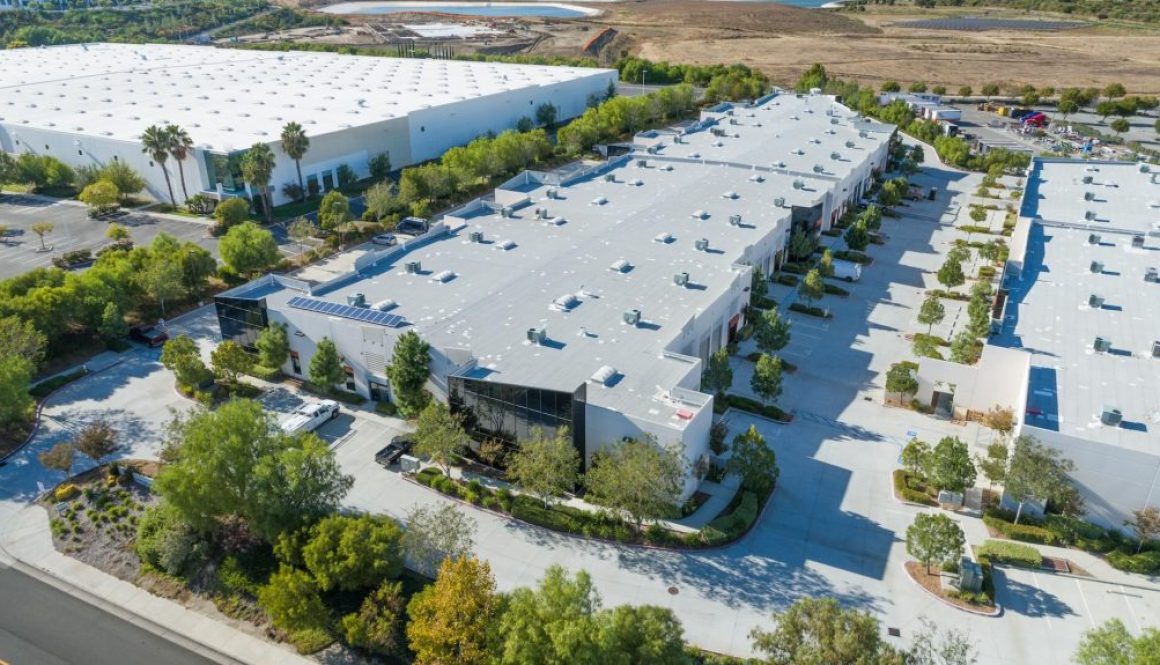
[(851, 255), (785, 279), (1144, 563), (810, 310), (836, 290), (998, 551), (1026, 532), (906, 485), (733, 524), (167, 543), (264, 373)]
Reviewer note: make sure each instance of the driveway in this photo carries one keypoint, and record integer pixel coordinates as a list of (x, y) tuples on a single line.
[(74, 230)]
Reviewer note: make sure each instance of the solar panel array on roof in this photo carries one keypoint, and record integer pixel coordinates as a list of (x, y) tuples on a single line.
[(364, 314)]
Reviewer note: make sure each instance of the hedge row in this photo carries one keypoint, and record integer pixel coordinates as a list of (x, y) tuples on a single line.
[(753, 406), (855, 256), (903, 489), (44, 388), (998, 551), (1144, 563), (811, 310), (1028, 533)]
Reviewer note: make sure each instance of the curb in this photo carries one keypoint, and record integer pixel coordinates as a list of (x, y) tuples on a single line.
[(40, 407), (124, 613), (993, 614)]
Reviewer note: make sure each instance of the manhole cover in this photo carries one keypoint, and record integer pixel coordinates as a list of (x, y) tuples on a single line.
[(674, 590)]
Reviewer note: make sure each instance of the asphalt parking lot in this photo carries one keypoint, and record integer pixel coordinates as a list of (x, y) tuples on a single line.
[(74, 230)]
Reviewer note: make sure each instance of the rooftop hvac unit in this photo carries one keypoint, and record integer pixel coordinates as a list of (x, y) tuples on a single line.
[(537, 335), (599, 201), (1090, 215), (1093, 239), (384, 305), (818, 168), (1111, 416), (356, 300), (1144, 168), (757, 177), (734, 220), (414, 267), (834, 121), (1096, 267), (609, 177), (730, 195), (798, 184), (835, 156), (642, 163), (541, 213), (1138, 241), (505, 211), (553, 194), (1152, 275), (443, 276), (557, 221), (632, 317), (1095, 301), (1089, 196), (636, 182), (667, 167), (1156, 349), (505, 245), (702, 244), (477, 236), (1087, 180), (1102, 345), (862, 134), (849, 144), (678, 140), (681, 279), (619, 266), (779, 202), (566, 302), (700, 214), (604, 375), (663, 237)]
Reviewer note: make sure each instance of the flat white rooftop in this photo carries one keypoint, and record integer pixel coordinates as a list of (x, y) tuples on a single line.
[(229, 99), (1071, 383)]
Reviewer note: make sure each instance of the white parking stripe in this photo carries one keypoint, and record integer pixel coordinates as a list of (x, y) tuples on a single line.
[(1090, 618), (1131, 610), (1035, 581)]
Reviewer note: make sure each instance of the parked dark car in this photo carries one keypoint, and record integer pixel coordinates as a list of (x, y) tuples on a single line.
[(148, 335), (398, 447)]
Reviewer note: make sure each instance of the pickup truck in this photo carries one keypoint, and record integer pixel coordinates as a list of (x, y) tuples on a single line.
[(310, 417)]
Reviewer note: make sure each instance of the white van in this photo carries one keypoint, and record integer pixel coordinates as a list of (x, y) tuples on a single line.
[(848, 270), (310, 417)]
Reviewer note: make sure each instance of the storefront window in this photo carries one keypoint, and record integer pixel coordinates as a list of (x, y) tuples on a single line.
[(241, 320), (509, 413)]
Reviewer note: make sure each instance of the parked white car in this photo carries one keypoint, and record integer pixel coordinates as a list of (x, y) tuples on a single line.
[(310, 417), (387, 239)]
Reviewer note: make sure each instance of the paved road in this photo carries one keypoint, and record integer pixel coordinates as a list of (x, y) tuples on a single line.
[(74, 230), (41, 625)]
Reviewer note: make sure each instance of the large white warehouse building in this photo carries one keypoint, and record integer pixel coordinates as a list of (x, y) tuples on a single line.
[(88, 104)]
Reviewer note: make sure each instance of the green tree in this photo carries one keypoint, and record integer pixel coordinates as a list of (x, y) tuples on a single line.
[(439, 435), (235, 461), (1120, 125), (939, 90), (826, 264), (819, 630), (1114, 90), (179, 145), (380, 166), (812, 287), (934, 647), (900, 379), (931, 312), (801, 245), (872, 215), (377, 626), (380, 199), (96, 441), (334, 211), (299, 231), (547, 467), (978, 214), (117, 233), (435, 534), (229, 360), (58, 458), (326, 370), (113, 324), (554, 624), (966, 91), (767, 377), (1112, 644), (754, 461), (197, 265), (814, 77), (292, 601), (1066, 108), (978, 317), (230, 213), (916, 457), (965, 348), (950, 274), (638, 477), (1145, 523), (994, 465), (950, 465), (347, 552), (925, 346), (454, 619), (161, 279), (990, 89), (934, 538), (718, 375), (155, 143), (42, 229), (758, 286), (917, 86), (408, 373), (991, 251), (180, 355), (257, 167), (890, 86), (546, 115), (1037, 472), (857, 237), (295, 143), (21, 339), (102, 196), (248, 248), (273, 345), (641, 635), (123, 177), (771, 332)]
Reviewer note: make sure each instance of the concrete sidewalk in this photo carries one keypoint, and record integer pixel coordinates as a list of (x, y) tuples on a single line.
[(27, 539)]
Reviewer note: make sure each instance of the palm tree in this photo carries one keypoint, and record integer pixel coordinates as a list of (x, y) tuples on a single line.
[(257, 167), (295, 143), (179, 145), (155, 143)]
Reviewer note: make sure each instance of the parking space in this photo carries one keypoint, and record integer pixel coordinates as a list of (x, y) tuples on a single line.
[(74, 230)]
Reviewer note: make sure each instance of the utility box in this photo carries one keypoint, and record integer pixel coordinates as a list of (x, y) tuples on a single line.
[(1111, 416), (970, 576), (409, 464), (1102, 345), (1096, 267), (1095, 301)]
